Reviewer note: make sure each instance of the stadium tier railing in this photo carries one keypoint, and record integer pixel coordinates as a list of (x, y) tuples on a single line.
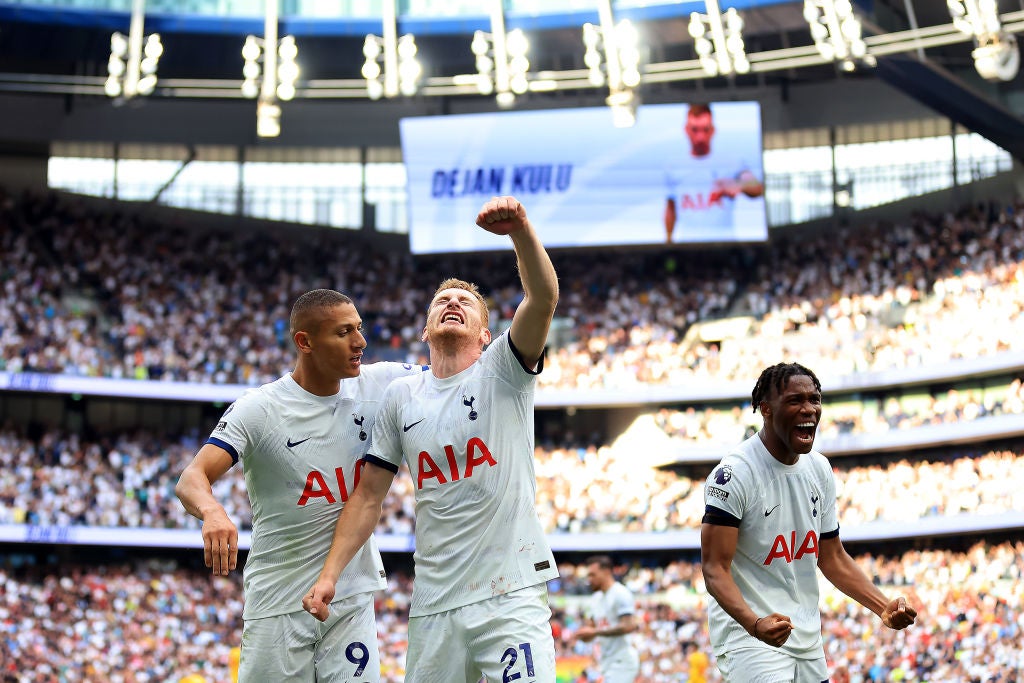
[(703, 390), (982, 429), (685, 539)]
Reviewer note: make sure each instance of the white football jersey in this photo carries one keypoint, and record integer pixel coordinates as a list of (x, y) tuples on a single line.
[(702, 212), (606, 608), (299, 453), (782, 512), (468, 441)]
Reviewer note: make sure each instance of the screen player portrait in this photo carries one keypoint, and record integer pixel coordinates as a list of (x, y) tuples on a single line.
[(703, 187)]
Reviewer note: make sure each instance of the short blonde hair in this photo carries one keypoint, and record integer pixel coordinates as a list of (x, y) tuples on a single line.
[(456, 283)]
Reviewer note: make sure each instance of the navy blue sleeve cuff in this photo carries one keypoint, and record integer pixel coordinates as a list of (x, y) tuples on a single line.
[(380, 462), (228, 447), (831, 534), (519, 357), (720, 517)]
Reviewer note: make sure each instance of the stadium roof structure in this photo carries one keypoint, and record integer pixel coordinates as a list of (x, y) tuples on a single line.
[(920, 47)]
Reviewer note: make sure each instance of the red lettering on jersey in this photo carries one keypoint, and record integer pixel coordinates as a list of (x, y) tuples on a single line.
[(783, 550), (316, 487), (780, 550), (477, 454), (476, 444), (453, 466), (809, 546), (428, 469), (700, 202)]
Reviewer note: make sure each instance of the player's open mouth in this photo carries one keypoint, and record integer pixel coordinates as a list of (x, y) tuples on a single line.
[(452, 317), (805, 431)]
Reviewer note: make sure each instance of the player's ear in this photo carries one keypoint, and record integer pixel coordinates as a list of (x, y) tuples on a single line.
[(423, 337), (303, 342)]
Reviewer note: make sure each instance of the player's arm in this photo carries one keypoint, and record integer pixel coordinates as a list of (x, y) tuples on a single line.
[(717, 549), (626, 624), (532, 319), (670, 217), (749, 184), (195, 491), (353, 528), (745, 182), (841, 570)]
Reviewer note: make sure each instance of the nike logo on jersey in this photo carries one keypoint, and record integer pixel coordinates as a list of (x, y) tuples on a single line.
[(293, 444), (406, 428), (768, 512)]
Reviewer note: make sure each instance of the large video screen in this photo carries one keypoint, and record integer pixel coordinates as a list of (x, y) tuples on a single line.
[(683, 173)]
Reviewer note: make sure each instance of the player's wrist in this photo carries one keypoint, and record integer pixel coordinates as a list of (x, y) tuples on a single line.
[(753, 628), (208, 510)]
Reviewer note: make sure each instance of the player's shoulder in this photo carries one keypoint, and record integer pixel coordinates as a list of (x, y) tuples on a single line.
[(743, 455), (502, 341), (622, 590), (403, 384), (375, 377), (263, 394), (819, 461)]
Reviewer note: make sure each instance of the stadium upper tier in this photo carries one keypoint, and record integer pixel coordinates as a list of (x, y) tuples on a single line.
[(90, 295)]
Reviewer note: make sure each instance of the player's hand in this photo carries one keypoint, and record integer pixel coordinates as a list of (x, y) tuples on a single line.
[(586, 633), (220, 541), (898, 614), (502, 216), (318, 600), (725, 187), (773, 629)]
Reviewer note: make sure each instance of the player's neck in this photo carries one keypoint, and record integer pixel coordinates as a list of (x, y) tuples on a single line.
[(777, 449), (311, 382), (447, 360)]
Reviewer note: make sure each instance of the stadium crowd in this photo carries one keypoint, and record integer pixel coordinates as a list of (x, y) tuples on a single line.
[(152, 621), (128, 480), (701, 426), (94, 293), (106, 294)]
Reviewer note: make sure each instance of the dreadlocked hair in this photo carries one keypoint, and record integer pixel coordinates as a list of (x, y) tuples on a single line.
[(776, 376)]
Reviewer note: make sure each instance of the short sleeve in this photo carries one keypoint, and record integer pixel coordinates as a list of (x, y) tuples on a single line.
[(725, 489), (386, 441), (502, 359), (241, 426), (829, 510), (624, 603)]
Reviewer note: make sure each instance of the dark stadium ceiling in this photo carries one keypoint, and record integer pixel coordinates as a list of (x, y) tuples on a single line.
[(61, 52)]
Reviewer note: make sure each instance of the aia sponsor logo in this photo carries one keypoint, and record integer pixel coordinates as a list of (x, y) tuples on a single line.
[(318, 486), (788, 551), (474, 455)]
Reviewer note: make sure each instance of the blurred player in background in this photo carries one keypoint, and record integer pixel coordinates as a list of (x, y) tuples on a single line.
[(610, 619), (479, 603), (770, 521), (697, 662), (703, 188), (299, 439)]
